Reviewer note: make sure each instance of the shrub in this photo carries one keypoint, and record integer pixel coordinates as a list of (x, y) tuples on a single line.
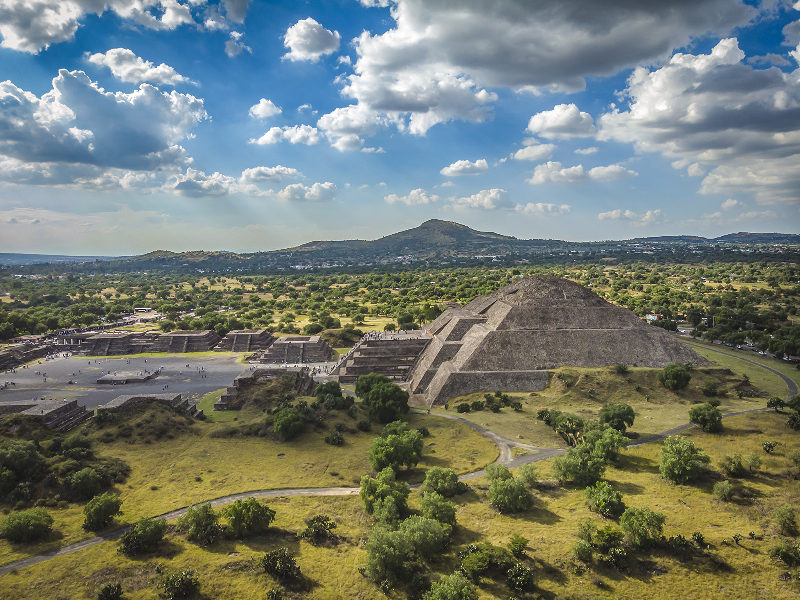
[(27, 526), (769, 446), (364, 425), (319, 528), (280, 564), (248, 517), (517, 545), (604, 499), (528, 474), (579, 465), (753, 461), (454, 587), (478, 405), (477, 559), (182, 584), (329, 387), (110, 591), (387, 553), (463, 408), (395, 450), (427, 537), (618, 416), (733, 466), (786, 551), (442, 481), (101, 510), (707, 416), (776, 403), (723, 490), (520, 578), (334, 439), (674, 377), (586, 529), (288, 423), (144, 536), (85, 484), (509, 495), (784, 518), (681, 460), (200, 525), (621, 368), (710, 388), (642, 525), (582, 551), (434, 506), (383, 487), (386, 401), (607, 538)]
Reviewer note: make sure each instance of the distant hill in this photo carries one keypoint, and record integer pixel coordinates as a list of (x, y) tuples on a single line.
[(758, 238), (7, 258)]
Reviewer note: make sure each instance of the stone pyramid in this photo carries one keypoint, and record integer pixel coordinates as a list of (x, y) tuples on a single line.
[(507, 340)]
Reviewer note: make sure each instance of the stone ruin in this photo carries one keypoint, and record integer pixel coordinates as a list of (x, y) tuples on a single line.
[(56, 414), (245, 340), (130, 402), (13, 355), (304, 384), (114, 343), (509, 339), (391, 357), (295, 350)]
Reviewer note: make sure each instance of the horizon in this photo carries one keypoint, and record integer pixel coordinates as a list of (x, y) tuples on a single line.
[(258, 126)]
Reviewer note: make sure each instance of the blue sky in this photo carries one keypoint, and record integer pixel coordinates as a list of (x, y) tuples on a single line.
[(133, 125)]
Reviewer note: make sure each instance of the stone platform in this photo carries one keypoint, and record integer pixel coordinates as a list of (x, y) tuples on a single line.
[(121, 377)]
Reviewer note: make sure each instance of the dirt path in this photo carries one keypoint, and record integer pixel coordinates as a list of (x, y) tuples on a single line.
[(504, 447)]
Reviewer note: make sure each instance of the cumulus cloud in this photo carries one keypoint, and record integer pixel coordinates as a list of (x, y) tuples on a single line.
[(264, 109), (465, 167), (297, 192), (553, 172), (591, 150), (563, 122), (730, 203), (493, 199), (534, 152), (541, 209), (236, 10), (308, 40), (651, 217), (296, 134), (125, 65), (196, 184), (262, 174), (739, 123), (414, 198), (234, 46), (345, 126), (33, 25)]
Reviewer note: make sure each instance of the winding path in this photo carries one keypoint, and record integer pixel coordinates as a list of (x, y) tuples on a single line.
[(504, 447)]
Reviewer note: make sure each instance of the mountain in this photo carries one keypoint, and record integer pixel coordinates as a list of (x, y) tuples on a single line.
[(9, 258)]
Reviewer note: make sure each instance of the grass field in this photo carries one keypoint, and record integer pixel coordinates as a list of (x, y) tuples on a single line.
[(207, 406)]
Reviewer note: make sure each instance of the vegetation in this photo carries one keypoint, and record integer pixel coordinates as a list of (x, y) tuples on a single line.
[(707, 416), (682, 460), (247, 518), (101, 510), (396, 447), (26, 526), (675, 377), (200, 524), (618, 416), (144, 536)]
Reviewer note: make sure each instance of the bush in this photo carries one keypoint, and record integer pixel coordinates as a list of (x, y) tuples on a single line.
[(27, 526), (364, 425), (381, 488), (517, 545), (674, 377), (604, 499), (642, 525), (753, 461), (200, 525), (509, 495), (403, 448), (528, 474), (786, 551), (85, 484), (579, 465), (387, 553), (520, 578), (733, 466), (707, 416), (386, 402), (110, 591), (618, 416), (607, 538), (318, 528), (288, 423), (723, 490), (710, 388), (434, 506), (463, 408), (621, 368), (101, 510), (248, 517), (478, 405), (681, 460), (442, 481), (583, 551), (784, 518), (427, 537), (281, 564), (182, 584), (144, 536), (477, 559), (454, 587), (334, 439), (776, 403)]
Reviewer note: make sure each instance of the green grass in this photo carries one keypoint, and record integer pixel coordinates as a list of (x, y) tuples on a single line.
[(207, 406)]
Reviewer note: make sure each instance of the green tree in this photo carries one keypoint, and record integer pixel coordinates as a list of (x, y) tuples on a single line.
[(179, 585), (200, 524), (27, 526), (427, 537), (674, 377), (85, 484), (785, 519), (386, 402), (681, 460), (520, 578), (723, 490), (528, 474), (387, 553), (580, 465), (318, 528), (365, 383), (454, 587), (329, 387), (101, 510), (510, 495), (281, 564), (618, 416), (144, 536), (442, 481), (643, 526), (394, 451), (288, 423), (247, 518), (707, 416), (434, 506), (604, 499), (384, 486), (22, 459)]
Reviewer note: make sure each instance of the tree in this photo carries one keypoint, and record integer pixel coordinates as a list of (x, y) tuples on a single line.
[(394, 451), (723, 490), (318, 528), (101, 510), (426, 537), (200, 525), (510, 495), (110, 591), (434, 506), (784, 518), (281, 564), (329, 387), (386, 402), (528, 474), (383, 487), (776, 403), (681, 460), (288, 423), (643, 526), (604, 499), (365, 383), (707, 416), (442, 481), (183, 584), (580, 465), (27, 526), (674, 377), (248, 517), (387, 552), (618, 416), (85, 484), (454, 587), (144, 536), (22, 459), (520, 578)]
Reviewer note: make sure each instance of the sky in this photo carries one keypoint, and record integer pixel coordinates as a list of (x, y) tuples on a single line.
[(128, 126)]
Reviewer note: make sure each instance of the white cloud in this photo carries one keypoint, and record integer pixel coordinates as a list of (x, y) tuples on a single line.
[(591, 150), (196, 184), (414, 198), (553, 172), (236, 10), (308, 107), (730, 203), (465, 167), (297, 192), (446, 184), (565, 121), (344, 126), (34, 25), (308, 40), (261, 174), (125, 65), (738, 122), (534, 152), (651, 217), (749, 216), (264, 109), (695, 170), (296, 134), (234, 46), (768, 59), (493, 199), (542, 209)]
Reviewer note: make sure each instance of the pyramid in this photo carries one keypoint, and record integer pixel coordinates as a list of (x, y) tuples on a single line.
[(507, 340)]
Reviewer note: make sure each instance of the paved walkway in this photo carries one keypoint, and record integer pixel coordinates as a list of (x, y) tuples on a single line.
[(504, 457)]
